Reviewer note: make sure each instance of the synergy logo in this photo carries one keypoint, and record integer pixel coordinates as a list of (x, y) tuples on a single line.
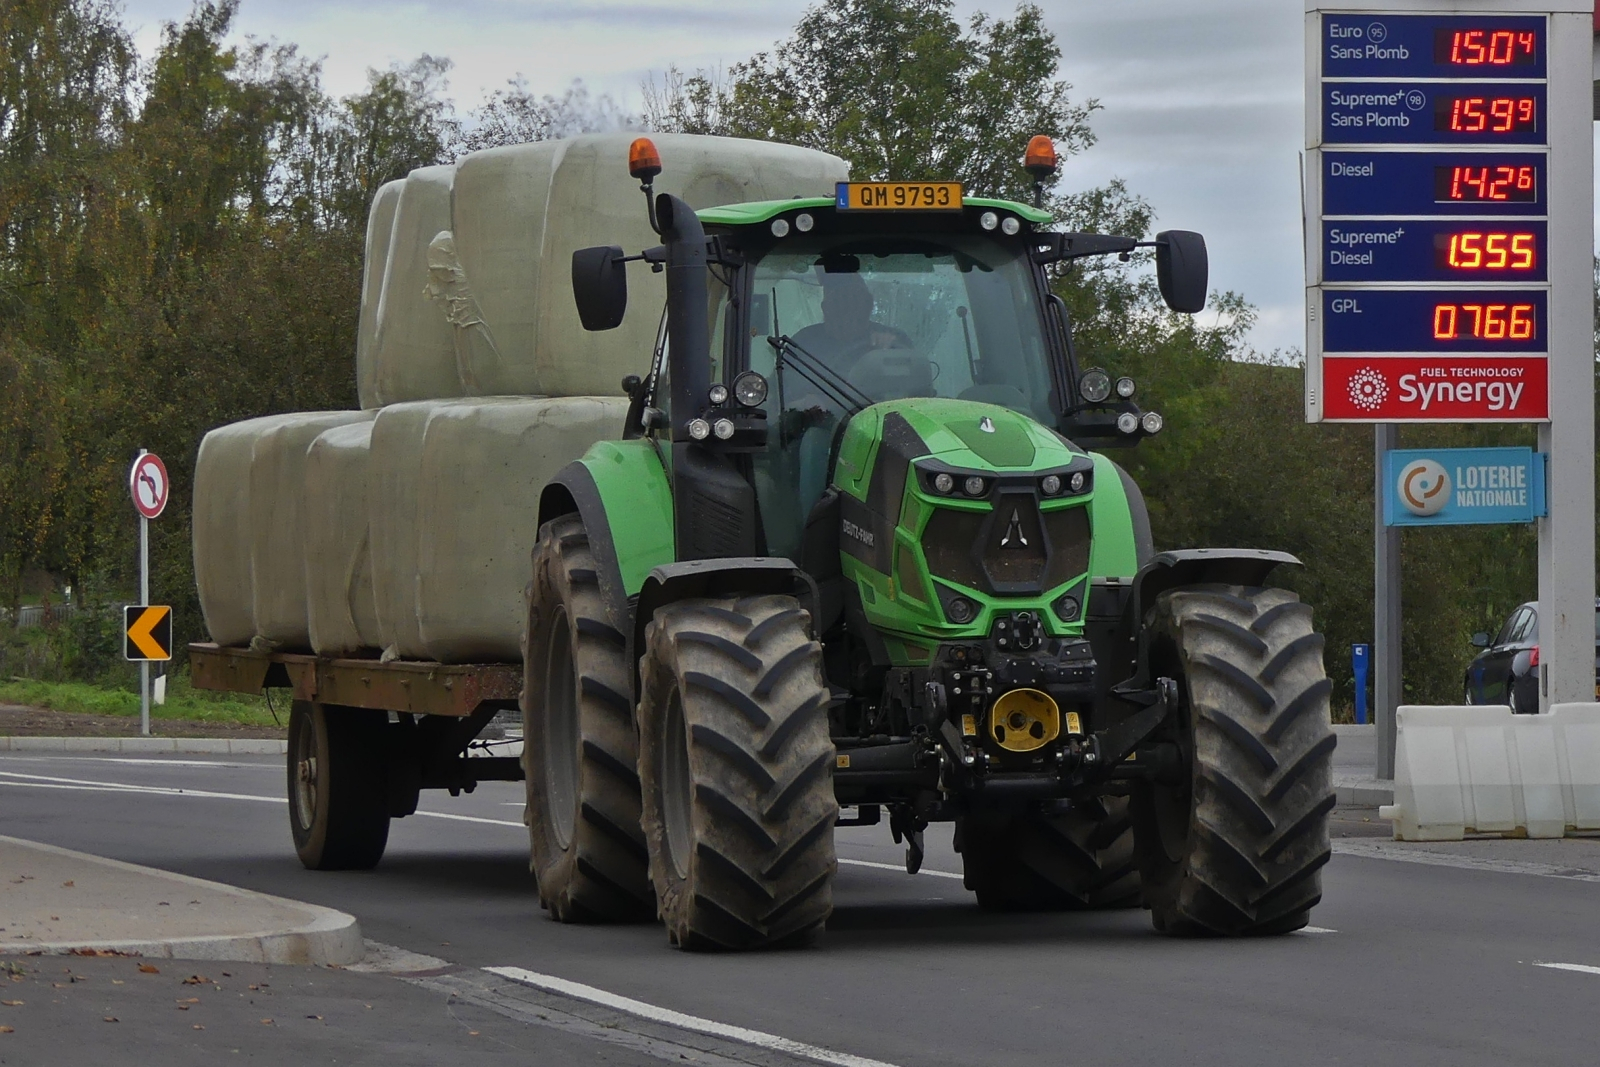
[(1368, 389), (1424, 487)]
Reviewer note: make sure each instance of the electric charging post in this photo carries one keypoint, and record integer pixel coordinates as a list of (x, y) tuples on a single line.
[(1450, 243)]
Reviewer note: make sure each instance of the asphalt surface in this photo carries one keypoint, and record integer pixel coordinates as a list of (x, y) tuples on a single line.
[(1417, 963)]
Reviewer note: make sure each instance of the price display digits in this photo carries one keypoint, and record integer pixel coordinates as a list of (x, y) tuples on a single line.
[(1484, 322)]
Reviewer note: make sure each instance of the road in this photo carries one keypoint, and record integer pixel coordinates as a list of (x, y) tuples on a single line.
[(1416, 963)]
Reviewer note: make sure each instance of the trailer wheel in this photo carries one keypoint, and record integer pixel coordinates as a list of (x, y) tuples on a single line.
[(580, 751), (338, 806), (737, 768), (1033, 862), (1236, 846)]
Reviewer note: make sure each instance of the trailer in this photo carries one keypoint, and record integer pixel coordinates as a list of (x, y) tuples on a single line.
[(367, 736)]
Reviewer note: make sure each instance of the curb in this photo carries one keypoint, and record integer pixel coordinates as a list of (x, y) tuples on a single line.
[(229, 746), (330, 938), (1361, 792)]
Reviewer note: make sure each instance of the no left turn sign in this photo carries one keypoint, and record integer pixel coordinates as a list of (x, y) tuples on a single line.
[(148, 485)]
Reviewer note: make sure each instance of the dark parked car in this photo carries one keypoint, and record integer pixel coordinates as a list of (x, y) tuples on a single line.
[(1507, 670)]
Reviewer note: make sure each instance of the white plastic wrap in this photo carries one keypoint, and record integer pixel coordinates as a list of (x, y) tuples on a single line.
[(380, 228), (342, 617), (453, 511), (278, 518), (413, 345)]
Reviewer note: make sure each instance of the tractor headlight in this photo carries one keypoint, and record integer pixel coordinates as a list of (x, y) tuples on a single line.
[(974, 486), (1095, 385), (723, 429), (699, 429), (1125, 387), (718, 394), (961, 610), (1152, 422), (1128, 422), (1050, 484), (1077, 482), (1066, 608), (943, 483), (750, 389)]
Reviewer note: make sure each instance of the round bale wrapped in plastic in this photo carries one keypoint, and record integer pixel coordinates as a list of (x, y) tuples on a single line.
[(521, 211), (380, 228), (278, 518), (454, 510), (222, 529), (341, 616), (413, 346)]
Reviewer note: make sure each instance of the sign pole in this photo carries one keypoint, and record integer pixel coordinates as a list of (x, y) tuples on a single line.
[(1385, 605), (1566, 536), (144, 598)]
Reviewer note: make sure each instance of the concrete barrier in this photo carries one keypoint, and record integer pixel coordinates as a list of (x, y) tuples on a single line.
[(1461, 770)]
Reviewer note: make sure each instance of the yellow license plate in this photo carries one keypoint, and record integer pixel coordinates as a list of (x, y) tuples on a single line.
[(898, 196)]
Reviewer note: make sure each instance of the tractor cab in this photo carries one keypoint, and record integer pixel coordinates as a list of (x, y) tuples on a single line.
[(818, 308)]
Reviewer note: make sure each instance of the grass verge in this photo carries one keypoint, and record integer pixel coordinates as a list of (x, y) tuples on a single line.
[(184, 702)]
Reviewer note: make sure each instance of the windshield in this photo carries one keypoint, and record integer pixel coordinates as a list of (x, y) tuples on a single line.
[(890, 318), (956, 318)]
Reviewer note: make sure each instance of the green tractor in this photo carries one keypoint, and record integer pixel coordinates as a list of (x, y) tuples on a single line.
[(853, 556)]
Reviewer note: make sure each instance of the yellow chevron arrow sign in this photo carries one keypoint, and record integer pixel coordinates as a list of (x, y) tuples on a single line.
[(147, 630)]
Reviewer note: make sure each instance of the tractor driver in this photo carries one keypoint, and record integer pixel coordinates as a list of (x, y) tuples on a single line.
[(847, 332)]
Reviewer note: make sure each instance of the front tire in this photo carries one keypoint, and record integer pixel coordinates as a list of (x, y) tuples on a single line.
[(1034, 862), (1237, 846), (580, 751), (338, 805), (737, 769)]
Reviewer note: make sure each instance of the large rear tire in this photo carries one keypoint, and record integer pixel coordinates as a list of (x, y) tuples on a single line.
[(580, 750), (1034, 862), (737, 770), (1237, 845), (338, 805)]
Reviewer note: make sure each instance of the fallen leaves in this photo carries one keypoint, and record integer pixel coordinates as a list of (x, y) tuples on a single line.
[(7, 1030), (67, 884), (111, 1019), (197, 1026), (197, 979), (11, 1003), (149, 968), (266, 1022)]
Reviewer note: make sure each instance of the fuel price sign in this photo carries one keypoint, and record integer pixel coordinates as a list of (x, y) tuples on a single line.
[(1429, 260)]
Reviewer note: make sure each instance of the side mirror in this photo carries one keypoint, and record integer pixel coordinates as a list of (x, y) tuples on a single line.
[(1181, 269), (1480, 640), (600, 286)]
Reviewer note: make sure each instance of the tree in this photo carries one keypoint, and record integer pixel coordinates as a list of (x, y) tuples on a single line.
[(514, 115), (898, 89)]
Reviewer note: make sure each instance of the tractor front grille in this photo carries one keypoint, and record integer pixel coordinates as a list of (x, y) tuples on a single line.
[(1013, 549)]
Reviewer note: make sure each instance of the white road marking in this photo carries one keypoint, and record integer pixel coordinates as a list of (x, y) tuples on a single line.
[(1581, 968), (1317, 930), (139, 761), (1400, 853), (898, 867), (579, 991), (40, 781)]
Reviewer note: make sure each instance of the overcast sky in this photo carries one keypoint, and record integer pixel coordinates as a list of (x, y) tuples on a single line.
[(1202, 98)]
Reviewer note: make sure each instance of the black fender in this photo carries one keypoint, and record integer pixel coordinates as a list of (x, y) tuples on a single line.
[(1189, 566), (730, 576), (573, 489)]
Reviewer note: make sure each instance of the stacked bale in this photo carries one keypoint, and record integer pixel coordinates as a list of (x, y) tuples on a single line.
[(407, 527), (342, 617)]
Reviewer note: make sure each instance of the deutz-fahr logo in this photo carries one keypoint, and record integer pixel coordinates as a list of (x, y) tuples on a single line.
[(855, 532)]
